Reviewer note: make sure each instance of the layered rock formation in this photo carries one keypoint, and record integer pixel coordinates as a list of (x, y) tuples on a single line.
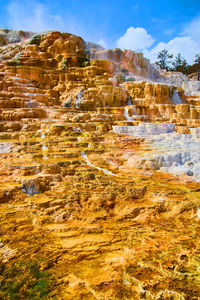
[(191, 86), (126, 61), (99, 187)]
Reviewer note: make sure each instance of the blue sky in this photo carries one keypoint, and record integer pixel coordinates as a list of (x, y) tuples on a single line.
[(146, 26)]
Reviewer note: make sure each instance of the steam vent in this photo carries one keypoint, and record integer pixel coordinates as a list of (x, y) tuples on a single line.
[(99, 173)]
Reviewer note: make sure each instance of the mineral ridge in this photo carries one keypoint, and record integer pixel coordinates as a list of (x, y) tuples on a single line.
[(99, 173)]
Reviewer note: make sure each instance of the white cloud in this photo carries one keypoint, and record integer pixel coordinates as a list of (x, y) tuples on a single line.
[(184, 45), (192, 29), (33, 16), (187, 43), (102, 43), (135, 39)]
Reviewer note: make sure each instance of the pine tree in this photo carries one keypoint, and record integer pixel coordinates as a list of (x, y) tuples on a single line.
[(164, 58), (179, 64), (197, 62)]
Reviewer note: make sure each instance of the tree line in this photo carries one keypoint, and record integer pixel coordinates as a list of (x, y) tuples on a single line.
[(167, 61)]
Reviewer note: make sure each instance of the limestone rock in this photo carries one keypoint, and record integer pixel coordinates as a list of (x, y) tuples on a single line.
[(99, 173)]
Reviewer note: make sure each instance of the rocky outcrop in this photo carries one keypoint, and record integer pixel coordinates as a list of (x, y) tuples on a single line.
[(13, 36), (191, 86), (127, 61), (154, 93), (99, 175)]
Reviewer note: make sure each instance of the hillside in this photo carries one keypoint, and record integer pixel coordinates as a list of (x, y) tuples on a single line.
[(99, 173)]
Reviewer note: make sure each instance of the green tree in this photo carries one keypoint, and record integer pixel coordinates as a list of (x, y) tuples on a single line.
[(197, 62), (164, 59), (179, 64)]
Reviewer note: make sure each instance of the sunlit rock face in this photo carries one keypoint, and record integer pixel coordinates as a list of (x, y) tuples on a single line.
[(149, 93), (99, 175), (128, 60)]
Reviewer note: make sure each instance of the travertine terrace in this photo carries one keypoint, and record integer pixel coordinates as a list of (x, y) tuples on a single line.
[(99, 173)]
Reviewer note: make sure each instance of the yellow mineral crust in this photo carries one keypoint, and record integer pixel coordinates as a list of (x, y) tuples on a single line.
[(85, 212)]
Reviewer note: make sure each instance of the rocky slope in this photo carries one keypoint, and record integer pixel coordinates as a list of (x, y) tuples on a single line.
[(8, 36), (99, 175)]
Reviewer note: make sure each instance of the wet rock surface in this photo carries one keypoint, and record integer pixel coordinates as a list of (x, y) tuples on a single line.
[(90, 182)]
